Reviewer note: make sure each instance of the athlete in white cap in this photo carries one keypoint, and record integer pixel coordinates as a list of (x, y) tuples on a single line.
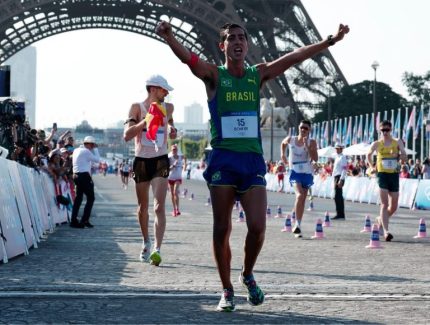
[(151, 164)]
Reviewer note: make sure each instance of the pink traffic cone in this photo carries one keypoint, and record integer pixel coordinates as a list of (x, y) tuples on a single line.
[(268, 212), (326, 220), (319, 234), (191, 197), (422, 231), (367, 225), (241, 216), (208, 203), (311, 206), (374, 238), (287, 225), (279, 214), (293, 217), (236, 205)]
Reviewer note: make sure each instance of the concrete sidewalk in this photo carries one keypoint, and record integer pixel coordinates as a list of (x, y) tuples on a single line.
[(94, 275)]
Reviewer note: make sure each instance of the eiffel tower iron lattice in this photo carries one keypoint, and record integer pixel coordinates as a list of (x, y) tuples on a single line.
[(275, 27)]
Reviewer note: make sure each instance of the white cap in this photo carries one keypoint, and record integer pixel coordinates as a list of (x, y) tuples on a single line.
[(158, 81), (89, 139), (339, 145)]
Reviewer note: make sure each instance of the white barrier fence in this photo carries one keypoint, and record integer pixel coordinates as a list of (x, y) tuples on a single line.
[(412, 192), (29, 210)]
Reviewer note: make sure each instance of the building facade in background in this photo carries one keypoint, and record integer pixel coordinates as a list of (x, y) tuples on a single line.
[(23, 80)]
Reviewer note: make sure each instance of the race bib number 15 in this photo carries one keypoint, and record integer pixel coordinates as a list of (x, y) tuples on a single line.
[(240, 125)]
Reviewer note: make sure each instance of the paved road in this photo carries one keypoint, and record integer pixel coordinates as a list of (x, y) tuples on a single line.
[(94, 275)]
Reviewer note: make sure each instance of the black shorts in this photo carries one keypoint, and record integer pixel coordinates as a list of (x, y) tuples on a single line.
[(389, 181), (145, 169)]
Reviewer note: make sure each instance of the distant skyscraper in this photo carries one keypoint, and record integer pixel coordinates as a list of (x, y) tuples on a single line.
[(23, 80), (193, 114)]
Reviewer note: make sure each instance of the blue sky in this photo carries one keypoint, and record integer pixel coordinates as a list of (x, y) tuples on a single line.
[(97, 74)]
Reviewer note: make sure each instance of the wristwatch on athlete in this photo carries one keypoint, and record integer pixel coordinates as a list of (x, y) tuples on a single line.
[(330, 40)]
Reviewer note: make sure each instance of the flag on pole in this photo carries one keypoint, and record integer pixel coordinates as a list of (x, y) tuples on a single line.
[(392, 118), (405, 126), (372, 127), (378, 119), (366, 130), (348, 132), (334, 139), (339, 130), (360, 130), (411, 123), (396, 125), (418, 126), (385, 116), (354, 130), (345, 130)]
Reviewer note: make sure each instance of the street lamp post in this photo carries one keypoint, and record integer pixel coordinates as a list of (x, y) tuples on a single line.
[(272, 101), (329, 80), (374, 66)]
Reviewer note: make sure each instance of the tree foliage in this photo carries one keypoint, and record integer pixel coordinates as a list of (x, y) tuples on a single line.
[(192, 149), (418, 87), (357, 99)]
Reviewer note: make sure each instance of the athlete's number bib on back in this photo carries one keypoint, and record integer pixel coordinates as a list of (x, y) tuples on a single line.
[(239, 125), (159, 140)]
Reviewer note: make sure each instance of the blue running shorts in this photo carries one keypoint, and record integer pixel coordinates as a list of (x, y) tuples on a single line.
[(306, 180), (242, 170)]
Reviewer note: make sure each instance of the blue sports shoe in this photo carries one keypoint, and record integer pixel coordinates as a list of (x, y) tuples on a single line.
[(255, 294)]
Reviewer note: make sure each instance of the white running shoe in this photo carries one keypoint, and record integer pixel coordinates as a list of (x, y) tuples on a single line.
[(146, 251)]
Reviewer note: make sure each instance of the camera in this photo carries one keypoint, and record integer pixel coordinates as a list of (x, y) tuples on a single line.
[(12, 111), (15, 133)]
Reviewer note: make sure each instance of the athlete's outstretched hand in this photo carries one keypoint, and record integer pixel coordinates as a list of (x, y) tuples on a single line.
[(343, 29), (163, 29)]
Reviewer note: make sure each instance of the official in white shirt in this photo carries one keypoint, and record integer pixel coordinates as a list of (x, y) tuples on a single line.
[(339, 174), (83, 157)]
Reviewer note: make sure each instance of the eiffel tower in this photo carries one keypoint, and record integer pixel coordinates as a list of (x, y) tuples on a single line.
[(275, 27)]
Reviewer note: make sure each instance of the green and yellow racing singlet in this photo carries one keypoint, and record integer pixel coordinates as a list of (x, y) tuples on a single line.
[(235, 112)]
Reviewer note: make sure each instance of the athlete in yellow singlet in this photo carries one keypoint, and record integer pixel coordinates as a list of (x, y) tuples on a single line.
[(388, 152)]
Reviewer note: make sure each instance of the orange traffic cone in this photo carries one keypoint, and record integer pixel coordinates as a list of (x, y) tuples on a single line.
[(319, 234), (287, 225), (422, 231), (374, 238), (367, 225)]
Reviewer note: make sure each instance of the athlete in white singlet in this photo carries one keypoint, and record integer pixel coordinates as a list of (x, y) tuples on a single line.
[(151, 164), (302, 151)]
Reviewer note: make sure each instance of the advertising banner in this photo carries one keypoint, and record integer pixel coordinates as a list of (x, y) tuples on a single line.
[(422, 199), (10, 223), (407, 190), (21, 203)]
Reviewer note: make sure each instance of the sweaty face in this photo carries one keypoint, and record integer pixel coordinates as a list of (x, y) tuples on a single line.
[(235, 45), (160, 93), (304, 129)]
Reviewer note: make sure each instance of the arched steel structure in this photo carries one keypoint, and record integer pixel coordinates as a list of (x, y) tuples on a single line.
[(275, 27)]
